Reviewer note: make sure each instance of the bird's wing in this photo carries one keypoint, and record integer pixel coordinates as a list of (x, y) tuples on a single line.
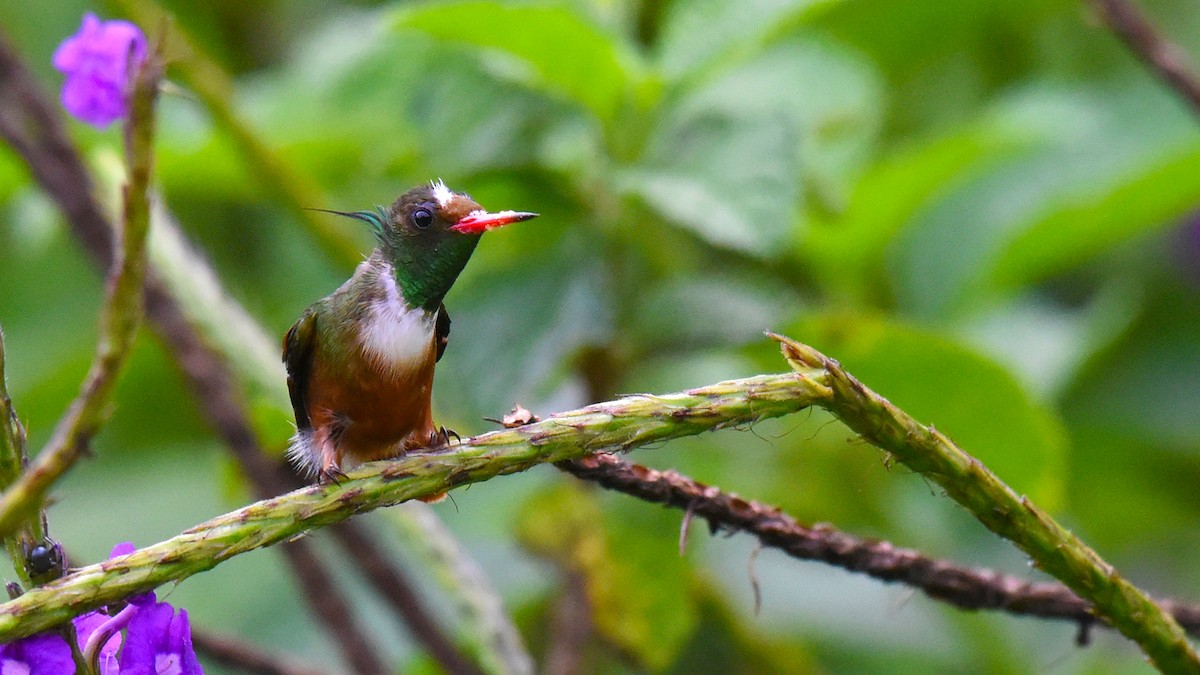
[(441, 331), (297, 359)]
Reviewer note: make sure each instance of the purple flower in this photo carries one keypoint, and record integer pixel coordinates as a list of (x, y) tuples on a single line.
[(96, 62), (84, 627), (121, 549), (159, 642), (35, 655)]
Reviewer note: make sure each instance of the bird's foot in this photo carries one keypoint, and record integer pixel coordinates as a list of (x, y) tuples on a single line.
[(440, 439), (331, 474)]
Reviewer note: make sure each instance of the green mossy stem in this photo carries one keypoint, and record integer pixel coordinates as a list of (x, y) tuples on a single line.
[(12, 459), (619, 426), (604, 427), (1052, 547)]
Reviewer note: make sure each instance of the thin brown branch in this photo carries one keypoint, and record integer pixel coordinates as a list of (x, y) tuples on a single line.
[(1163, 57), (243, 657), (963, 587), (571, 627), (398, 592)]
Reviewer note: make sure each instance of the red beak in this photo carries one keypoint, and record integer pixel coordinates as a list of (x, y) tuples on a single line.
[(478, 222)]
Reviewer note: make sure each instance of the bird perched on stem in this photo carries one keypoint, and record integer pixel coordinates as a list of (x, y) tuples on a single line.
[(360, 361)]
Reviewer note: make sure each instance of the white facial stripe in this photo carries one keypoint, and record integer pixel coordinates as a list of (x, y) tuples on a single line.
[(441, 193)]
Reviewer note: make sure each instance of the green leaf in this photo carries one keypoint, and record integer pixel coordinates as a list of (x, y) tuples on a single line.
[(1107, 166), (1140, 497), (945, 60), (1150, 197), (699, 34), (1145, 384), (548, 47), (724, 643), (976, 402), (714, 310), (12, 175), (731, 181), (1045, 343), (833, 98), (730, 160), (849, 247)]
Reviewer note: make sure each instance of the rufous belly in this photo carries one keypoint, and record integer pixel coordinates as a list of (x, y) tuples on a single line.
[(366, 413)]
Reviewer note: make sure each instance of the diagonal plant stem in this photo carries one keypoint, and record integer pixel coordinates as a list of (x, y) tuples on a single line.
[(119, 321), (964, 587), (489, 627), (967, 481), (402, 597), (617, 426), (12, 433), (289, 187), (603, 427), (12, 462), (1163, 57)]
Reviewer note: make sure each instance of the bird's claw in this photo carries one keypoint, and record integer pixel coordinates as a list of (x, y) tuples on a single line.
[(441, 438), (330, 475)]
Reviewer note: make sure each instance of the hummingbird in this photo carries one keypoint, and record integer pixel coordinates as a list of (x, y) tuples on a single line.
[(360, 361)]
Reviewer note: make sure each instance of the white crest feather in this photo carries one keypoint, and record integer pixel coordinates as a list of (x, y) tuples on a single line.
[(441, 193)]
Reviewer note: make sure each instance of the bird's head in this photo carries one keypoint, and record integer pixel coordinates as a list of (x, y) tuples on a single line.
[(429, 233), (434, 210)]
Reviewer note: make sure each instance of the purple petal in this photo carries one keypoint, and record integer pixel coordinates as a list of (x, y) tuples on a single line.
[(87, 624), (123, 548), (73, 50), (125, 40), (46, 653), (96, 61), (180, 644), (146, 636), (159, 641), (191, 664), (97, 102)]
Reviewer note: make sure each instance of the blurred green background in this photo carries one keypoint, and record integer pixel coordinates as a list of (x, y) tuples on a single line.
[(985, 210)]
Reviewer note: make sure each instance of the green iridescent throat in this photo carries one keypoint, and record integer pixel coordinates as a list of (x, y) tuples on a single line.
[(425, 265)]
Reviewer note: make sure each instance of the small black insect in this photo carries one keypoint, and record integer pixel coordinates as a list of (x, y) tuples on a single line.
[(45, 559)]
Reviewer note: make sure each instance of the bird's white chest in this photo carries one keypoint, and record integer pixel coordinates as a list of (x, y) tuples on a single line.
[(395, 336)]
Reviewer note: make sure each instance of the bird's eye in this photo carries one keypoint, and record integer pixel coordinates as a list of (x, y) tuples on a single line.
[(422, 218)]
